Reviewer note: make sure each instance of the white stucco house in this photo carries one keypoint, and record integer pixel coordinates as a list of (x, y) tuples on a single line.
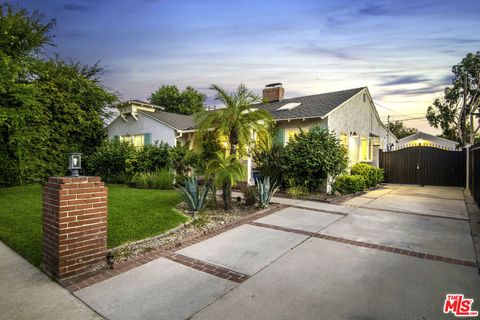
[(426, 140), (145, 123), (350, 114)]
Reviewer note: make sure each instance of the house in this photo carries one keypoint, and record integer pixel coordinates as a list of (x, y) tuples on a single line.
[(350, 114), (426, 140), (145, 123)]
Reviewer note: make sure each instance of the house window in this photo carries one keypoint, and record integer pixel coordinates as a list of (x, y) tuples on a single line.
[(364, 149), (344, 139), (291, 133), (138, 140)]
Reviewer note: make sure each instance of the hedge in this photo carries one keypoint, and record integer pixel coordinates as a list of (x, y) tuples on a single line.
[(372, 175), (346, 184)]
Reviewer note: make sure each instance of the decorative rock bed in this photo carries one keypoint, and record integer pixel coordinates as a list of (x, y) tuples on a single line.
[(212, 219)]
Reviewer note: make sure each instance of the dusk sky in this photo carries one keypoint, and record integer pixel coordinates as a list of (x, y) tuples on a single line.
[(402, 50)]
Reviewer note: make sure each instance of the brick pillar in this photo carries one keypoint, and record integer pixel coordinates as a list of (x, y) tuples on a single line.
[(75, 213)]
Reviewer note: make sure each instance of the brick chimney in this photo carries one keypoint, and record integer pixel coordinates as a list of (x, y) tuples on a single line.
[(273, 92)]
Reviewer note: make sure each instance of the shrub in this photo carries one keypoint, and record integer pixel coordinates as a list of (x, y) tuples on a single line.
[(182, 160), (380, 175), (368, 172), (109, 161), (265, 191), (297, 191), (208, 151), (268, 161), (192, 196), (250, 194), (225, 170), (346, 184), (160, 179), (149, 158), (313, 156)]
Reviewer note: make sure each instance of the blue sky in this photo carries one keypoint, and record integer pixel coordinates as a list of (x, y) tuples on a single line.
[(402, 50)]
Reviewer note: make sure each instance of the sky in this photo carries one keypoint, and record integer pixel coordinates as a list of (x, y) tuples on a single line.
[(402, 50)]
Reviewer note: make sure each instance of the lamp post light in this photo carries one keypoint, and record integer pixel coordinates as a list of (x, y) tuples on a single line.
[(74, 164)]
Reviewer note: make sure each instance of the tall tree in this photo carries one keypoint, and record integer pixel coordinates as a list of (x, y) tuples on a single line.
[(400, 130), (48, 107), (188, 101), (236, 123), (455, 112)]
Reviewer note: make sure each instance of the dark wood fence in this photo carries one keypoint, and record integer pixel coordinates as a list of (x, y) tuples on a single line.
[(474, 175), (424, 166)]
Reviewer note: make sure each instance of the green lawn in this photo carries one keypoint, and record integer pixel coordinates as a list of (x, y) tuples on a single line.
[(134, 214)]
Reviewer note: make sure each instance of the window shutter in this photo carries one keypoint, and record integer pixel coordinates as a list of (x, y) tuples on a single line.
[(147, 138), (280, 138)]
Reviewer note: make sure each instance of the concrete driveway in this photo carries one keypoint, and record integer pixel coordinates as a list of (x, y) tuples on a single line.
[(393, 253)]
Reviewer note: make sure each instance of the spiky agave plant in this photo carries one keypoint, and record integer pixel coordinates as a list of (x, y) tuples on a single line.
[(193, 197), (265, 191)]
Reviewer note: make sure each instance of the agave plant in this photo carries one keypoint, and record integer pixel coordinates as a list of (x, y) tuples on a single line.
[(265, 191), (194, 199)]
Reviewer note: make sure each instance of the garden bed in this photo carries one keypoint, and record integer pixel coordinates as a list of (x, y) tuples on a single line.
[(211, 220), (327, 198)]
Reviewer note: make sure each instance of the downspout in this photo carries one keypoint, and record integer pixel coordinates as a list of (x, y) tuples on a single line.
[(179, 136), (176, 137)]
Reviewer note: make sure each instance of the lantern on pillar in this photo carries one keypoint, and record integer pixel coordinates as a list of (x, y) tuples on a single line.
[(74, 163)]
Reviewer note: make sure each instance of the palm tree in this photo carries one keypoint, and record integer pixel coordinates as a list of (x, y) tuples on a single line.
[(237, 121), (227, 170)]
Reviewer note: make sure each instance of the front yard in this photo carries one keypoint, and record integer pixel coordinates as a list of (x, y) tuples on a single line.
[(134, 214)]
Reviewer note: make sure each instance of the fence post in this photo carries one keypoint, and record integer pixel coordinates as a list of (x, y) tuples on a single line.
[(467, 169)]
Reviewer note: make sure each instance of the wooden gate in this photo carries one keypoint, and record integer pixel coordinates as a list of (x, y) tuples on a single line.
[(424, 166)]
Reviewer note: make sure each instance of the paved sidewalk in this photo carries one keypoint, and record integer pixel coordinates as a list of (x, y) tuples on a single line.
[(27, 293)]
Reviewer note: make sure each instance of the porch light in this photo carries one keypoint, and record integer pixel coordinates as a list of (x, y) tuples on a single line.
[(74, 163)]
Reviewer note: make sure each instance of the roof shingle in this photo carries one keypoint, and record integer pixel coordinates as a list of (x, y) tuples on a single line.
[(317, 105), (177, 121)]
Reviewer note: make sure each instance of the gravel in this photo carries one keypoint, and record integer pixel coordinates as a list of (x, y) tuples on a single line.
[(210, 218)]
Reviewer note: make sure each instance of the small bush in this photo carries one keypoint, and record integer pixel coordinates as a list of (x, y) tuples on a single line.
[(380, 175), (194, 196), (109, 161), (297, 192), (350, 184), (368, 172), (265, 191), (182, 159), (149, 158), (312, 156), (161, 179), (250, 195), (268, 162)]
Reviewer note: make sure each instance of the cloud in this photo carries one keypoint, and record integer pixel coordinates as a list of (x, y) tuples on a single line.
[(417, 91), (404, 80), (313, 49), (373, 9)]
